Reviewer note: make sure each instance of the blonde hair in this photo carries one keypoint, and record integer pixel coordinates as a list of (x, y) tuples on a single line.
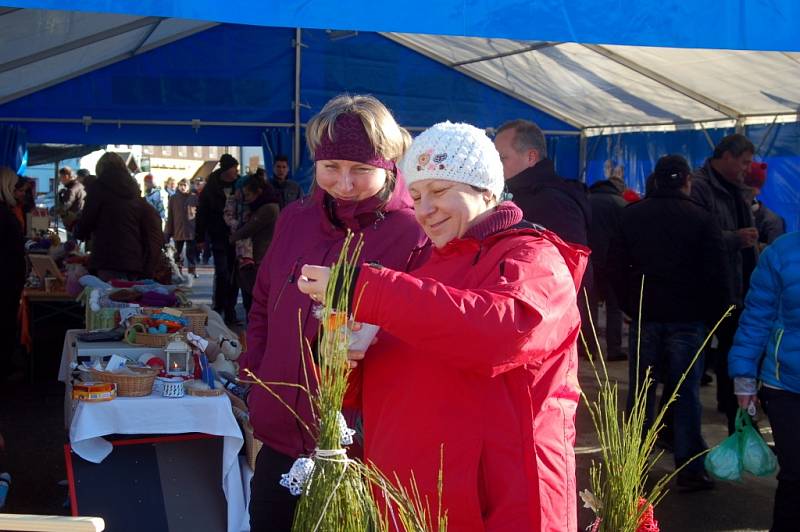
[(7, 181), (111, 162), (389, 139)]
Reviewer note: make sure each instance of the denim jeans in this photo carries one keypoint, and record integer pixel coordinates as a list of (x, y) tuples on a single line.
[(668, 348)]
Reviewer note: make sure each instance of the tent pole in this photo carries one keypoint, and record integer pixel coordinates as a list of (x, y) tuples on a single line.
[(582, 156), (296, 145)]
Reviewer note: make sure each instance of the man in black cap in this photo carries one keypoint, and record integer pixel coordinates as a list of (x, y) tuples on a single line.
[(677, 247), (210, 221)]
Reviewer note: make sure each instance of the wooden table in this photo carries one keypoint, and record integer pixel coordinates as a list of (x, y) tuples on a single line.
[(46, 317)]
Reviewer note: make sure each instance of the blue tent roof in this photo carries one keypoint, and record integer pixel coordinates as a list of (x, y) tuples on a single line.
[(730, 24), (249, 85)]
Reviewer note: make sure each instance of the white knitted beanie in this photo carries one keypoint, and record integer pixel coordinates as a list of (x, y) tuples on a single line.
[(454, 152)]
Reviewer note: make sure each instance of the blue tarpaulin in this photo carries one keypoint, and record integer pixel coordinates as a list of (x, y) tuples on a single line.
[(13, 148), (637, 153), (733, 24)]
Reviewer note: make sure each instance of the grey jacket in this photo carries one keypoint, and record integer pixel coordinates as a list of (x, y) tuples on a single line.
[(716, 198), (180, 216)]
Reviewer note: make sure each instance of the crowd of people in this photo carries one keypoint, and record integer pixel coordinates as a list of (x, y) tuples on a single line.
[(477, 272)]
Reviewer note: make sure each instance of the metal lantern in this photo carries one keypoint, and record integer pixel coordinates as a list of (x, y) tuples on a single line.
[(178, 354)]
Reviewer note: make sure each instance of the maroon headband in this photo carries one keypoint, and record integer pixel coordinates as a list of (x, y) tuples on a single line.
[(351, 144)]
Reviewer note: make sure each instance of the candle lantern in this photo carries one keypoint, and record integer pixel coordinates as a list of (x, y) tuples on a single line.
[(178, 353)]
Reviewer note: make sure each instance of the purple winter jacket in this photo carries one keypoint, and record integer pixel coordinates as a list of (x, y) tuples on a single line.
[(306, 234)]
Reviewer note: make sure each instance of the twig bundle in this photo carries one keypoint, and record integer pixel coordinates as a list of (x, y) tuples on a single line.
[(619, 496), (336, 496)]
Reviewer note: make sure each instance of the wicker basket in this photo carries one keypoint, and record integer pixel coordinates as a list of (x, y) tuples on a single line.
[(128, 385), (198, 319), (136, 334)]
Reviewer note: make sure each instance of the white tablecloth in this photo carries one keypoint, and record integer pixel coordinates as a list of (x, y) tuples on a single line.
[(158, 415)]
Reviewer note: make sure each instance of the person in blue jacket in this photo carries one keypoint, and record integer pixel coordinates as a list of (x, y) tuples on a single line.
[(766, 348)]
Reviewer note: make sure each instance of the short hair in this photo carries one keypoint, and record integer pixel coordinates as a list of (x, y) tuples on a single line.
[(281, 158), (83, 172), (671, 172), (65, 170), (8, 182), (183, 181), (736, 144), (385, 135), (527, 136)]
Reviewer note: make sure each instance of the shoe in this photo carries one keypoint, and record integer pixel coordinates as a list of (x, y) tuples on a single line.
[(688, 482), (196, 276), (706, 379)]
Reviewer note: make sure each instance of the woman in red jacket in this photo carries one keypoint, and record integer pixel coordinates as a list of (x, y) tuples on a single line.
[(354, 142), (476, 353)]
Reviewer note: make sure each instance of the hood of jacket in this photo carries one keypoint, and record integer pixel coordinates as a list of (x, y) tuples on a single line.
[(119, 184)]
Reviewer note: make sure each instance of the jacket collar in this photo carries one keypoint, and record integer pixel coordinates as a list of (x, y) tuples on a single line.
[(501, 218), (357, 215), (542, 172), (605, 186), (715, 179)]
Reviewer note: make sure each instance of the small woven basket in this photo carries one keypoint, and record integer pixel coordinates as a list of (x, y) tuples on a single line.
[(136, 334), (137, 385), (198, 319)]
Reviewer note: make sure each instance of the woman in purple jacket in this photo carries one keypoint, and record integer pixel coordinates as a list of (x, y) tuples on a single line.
[(355, 143)]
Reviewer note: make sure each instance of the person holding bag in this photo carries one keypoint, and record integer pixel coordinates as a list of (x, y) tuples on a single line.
[(766, 348)]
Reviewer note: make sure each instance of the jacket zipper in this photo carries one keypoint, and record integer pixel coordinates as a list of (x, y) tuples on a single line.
[(778, 338), (289, 280)]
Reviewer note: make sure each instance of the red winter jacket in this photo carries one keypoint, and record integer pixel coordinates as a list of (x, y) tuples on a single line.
[(477, 355), (306, 234)]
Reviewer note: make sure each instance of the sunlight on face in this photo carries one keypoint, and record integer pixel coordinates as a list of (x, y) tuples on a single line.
[(447, 209), (349, 180)]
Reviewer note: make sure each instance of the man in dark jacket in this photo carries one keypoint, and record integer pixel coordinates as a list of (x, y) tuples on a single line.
[(717, 187), (607, 204), (71, 198), (287, 189), (210, 220), (544, 197), (677, 247)]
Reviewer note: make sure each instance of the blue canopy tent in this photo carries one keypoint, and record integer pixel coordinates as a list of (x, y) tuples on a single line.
[(234, 85), (126, 72)]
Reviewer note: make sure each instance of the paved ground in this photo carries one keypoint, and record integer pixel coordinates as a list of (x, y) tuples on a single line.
[(31, 418)]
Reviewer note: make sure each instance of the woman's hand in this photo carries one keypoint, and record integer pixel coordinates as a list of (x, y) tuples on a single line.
[(314, 281)]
